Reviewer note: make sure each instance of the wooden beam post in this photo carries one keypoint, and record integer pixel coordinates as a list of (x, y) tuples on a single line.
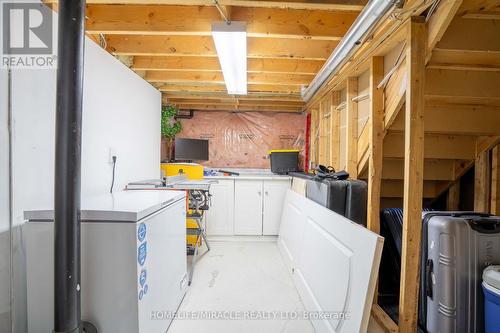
[(334, 130), (413, 175), (495, 181), (453, 199), (376, 142), (351, 151), (482, 182)]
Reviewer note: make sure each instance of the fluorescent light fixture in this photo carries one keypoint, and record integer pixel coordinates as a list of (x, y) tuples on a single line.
[(231, 45), (360, 29)]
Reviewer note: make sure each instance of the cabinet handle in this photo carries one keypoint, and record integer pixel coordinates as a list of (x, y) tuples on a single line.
[(267, 193), (260, 193)]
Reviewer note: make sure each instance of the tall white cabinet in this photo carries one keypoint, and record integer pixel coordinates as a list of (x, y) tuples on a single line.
[(247, 206)]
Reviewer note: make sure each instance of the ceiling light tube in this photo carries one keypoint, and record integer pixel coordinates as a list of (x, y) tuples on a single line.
[(231, 45), (366, 21)]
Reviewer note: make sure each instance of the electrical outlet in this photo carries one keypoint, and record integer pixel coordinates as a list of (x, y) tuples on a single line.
[(112, 152)]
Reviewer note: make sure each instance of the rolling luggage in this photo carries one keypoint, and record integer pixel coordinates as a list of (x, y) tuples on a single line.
[(391, 228), (456, 247), (346, 197)]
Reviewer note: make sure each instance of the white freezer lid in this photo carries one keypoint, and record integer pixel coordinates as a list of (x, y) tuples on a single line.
[(130, 206)]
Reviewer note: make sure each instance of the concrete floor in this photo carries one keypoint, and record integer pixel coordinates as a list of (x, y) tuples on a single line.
[(238, 278)]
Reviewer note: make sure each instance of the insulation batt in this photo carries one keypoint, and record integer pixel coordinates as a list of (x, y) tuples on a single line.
[(243, 139)]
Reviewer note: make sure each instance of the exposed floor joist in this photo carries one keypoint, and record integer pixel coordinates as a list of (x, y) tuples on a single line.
[(211, 64), (218, 78), (197, 21), (336, 5), (204, 46)]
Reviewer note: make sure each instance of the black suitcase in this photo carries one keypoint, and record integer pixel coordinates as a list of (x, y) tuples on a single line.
[(391, 228), (345, 197)]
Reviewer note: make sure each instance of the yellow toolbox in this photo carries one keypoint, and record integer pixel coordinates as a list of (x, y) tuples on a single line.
[(190, 170)]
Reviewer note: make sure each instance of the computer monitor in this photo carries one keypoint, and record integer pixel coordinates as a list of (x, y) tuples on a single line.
[(191, 149)]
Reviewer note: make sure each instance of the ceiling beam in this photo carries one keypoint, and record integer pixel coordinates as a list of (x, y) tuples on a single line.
[(204, 46), (249, 97), (197, 21), (217, 77), (469, 60), (335, 5), (219, 107), (220, 88), (210, 64), (235, 101)]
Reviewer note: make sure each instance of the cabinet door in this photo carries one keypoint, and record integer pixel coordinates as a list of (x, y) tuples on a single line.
[(220, 216), (248, 207), (274, 195)]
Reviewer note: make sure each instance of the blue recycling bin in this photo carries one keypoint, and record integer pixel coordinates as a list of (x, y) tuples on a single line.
[(491, 290)]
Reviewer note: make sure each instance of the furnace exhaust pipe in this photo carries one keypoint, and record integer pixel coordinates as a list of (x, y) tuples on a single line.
[(67, 182)]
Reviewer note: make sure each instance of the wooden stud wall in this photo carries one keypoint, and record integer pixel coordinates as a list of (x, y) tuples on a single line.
[(406, 159)]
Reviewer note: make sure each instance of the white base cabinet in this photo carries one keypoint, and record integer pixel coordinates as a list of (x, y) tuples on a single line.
[(246, 206), (274, 196), (220, 216)]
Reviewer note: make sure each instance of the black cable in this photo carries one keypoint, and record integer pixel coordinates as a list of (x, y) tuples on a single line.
[(113, 179)]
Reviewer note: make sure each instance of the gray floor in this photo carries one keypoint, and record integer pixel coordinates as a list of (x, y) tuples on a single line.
[(242, 277)]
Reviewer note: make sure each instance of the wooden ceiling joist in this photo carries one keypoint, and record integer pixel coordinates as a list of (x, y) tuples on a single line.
[(218, 107), (204, 46), (235, 101), (211, 64), (212, 78), (197, 21), (249, 97), (220, 88), (335, 5)]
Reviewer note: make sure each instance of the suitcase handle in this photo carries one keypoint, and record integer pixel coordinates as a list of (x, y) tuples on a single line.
[(485, 225), (429, 267), (460, 214)]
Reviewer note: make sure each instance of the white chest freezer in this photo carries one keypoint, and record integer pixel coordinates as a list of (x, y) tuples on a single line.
[(133, 262)]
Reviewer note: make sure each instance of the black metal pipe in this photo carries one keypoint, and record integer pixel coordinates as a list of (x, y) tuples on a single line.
[(67, 183)]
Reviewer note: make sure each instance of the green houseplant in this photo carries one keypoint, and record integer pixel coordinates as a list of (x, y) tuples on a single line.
[(170, 127)]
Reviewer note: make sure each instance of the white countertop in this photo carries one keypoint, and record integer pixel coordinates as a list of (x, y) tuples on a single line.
[(250, 174), (252, 177)]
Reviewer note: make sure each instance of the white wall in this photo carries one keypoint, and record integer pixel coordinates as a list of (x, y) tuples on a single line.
[(120, 111), (4, 208)]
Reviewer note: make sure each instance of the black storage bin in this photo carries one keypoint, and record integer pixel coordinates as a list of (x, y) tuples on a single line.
[(284, 161)]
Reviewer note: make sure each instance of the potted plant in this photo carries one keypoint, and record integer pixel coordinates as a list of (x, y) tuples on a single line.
[(170, 127)]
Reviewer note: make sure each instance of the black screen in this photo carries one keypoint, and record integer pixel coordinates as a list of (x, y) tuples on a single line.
[(191, 149)]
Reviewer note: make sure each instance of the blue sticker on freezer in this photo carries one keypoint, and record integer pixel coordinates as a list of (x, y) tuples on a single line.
[(141, 295), (142, 277), (142, 252), (141, 232), (145, 289)]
